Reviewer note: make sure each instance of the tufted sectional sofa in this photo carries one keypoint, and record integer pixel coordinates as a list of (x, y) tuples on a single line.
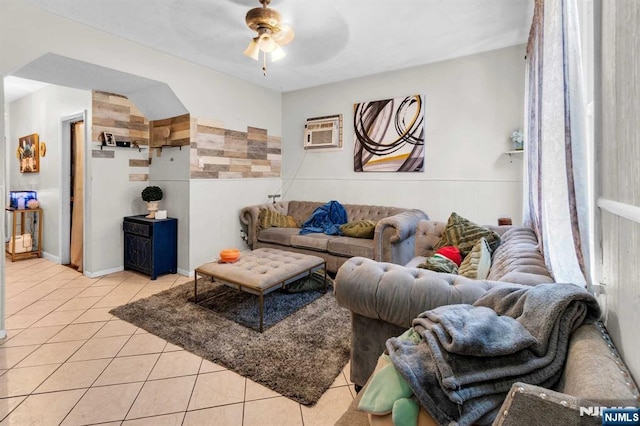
[(384, 298), (393, 239)]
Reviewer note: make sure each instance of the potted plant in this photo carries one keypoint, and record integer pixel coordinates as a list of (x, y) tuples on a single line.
[(152, 195), (517, 139)]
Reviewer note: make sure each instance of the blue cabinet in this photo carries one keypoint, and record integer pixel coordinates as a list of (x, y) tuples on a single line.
[(150, 245)]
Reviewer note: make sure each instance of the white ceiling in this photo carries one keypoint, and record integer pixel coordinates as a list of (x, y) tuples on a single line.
[(16, 88), (335, 39)]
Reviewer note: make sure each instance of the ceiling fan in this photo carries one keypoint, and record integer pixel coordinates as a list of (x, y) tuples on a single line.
[(272, 34)]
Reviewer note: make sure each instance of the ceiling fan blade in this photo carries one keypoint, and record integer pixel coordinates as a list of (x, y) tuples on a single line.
[(284, 36)]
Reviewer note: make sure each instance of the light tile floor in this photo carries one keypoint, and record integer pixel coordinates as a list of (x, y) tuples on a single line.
[(67, 361)]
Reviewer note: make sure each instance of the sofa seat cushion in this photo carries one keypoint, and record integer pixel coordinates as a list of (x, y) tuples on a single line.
[(314, 241), (280, 236), (351, 247)]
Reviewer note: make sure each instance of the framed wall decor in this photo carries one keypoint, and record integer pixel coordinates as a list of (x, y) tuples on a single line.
[(389, 135), (28, 153), (109, 139)]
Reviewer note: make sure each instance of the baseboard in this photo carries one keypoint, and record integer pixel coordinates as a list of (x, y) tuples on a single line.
[(185, 272), (105, 272), (49, 256)]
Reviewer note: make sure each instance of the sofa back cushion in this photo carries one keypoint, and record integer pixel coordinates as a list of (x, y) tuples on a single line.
[(301, 210), (357, 212), (519, 257), (428, 233)]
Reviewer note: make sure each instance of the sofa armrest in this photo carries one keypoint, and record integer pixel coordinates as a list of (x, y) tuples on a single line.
[(397, 294), (394, 236), (249, 217), (533, 405)]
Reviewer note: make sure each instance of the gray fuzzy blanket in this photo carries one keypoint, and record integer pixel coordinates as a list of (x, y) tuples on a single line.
[(470, 355)]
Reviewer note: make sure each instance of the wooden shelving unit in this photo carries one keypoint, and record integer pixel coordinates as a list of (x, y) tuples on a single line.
[(25, 221)]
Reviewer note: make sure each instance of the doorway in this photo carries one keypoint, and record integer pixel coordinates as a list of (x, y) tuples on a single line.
[(72, 191)]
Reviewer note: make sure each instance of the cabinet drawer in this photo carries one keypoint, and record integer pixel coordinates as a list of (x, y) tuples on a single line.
[(142, 229)]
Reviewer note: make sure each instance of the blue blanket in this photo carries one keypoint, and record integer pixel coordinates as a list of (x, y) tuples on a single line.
[(326, 219)]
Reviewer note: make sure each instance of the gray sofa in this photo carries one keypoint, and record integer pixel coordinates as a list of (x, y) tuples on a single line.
[(393, 239), (384, 298)]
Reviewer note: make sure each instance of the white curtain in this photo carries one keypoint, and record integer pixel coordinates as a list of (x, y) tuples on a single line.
[(556, 186)]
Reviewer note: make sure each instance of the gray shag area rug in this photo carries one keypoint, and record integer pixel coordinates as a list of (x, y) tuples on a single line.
[(299, 356)]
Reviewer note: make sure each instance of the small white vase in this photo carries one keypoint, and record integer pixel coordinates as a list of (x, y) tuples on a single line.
[(152, 207)]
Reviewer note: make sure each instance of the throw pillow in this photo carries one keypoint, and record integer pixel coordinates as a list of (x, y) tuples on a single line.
[(360, 229), (439, 263), (385, 387), (272, 219), (463, 233), (478, 262)]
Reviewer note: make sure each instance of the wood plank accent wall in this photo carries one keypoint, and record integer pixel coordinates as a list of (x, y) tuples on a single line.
[(218, 153), (179, 131), (118, 115), (618, 150)]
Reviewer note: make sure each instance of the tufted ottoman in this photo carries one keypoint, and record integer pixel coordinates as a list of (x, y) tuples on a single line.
[(261, 271)]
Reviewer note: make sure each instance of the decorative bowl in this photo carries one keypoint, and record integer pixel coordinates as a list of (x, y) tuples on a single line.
[(229, 255)]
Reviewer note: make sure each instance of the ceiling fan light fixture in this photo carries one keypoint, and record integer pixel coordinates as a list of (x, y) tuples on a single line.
[(266, 42), (253, 50), (272, 34), (277, 54)]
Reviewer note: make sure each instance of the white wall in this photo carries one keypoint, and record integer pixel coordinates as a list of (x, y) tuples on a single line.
[(212, 228), (472, 106), (3, 197), (170, 171), (205, 93), (618, 180), (40, 113)]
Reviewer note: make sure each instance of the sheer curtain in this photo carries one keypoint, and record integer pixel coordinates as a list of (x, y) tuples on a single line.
[(556, 187)]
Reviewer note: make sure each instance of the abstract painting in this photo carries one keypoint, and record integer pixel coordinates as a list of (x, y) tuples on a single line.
[(389, 135)]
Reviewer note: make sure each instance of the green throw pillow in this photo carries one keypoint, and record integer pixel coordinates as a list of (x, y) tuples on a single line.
[(272, 219), (405, 412), (478, 262), (463, 233), (360, 229), (439, 264), (383, 390)]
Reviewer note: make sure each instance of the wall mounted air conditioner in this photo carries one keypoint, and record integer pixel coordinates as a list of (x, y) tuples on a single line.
[(323, 132)]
